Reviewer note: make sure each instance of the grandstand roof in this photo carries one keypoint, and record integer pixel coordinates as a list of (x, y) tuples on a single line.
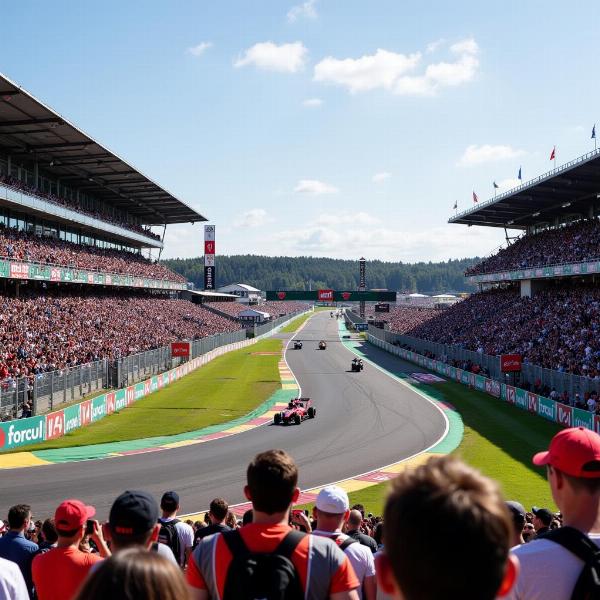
[(30, 130), (568, 189)]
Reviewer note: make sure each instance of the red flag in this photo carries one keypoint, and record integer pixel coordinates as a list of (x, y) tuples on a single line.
[(475, 198), (553, 153)]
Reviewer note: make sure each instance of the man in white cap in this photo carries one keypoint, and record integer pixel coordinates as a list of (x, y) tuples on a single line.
[(331, 512)]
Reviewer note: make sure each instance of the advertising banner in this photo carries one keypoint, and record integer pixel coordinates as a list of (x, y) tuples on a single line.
[(547, 408), (110, 403), (22, 432), (510, 363), (325, 295), (209, 257), (55, 425), (597, 423), (532, 402), (72, 417), (564, 415), (180, 349), (86, 413), (130, 395), (120, 400), (98, 408), (583, 418), (19, 270), (139, 391), (511, 396), (521, 397)]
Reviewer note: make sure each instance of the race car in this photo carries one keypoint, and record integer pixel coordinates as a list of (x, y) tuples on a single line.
[(322, 345), (297, 345), (357, 365), (297, 411)]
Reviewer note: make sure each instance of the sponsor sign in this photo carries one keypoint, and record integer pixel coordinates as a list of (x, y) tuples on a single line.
[(209, 233), (495, 389), (325, 295), (110, 403), (382, 307), (346, 295), (72, 417), (547, 408), (532, 402), (583, 418), (511, 396), (147, 387), (564, 414), (427, 378), (281, 295), (480, 382), (55, 425), (597, 423), (98, 408), (209, 278), (22, 432), (139, 391), (180, 349), (362, 282), (130, 395), (86, 412), (209, 247), (510, 363), (19, 270), (209, 260), (120, 400), (55, 274), (521, 398)]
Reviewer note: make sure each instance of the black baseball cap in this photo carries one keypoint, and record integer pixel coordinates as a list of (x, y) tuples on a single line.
[(133, 513), (169, 500), (543, 514), (517, 512)]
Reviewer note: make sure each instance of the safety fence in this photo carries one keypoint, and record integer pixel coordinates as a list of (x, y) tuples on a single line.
[(21, 432), (530, 374), (549, 409)]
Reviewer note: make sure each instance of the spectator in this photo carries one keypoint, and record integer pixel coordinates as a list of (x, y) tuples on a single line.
[(353, 524), (133, 521), (548, 569), (447, 535), (179, 536), (12, 584), (48, 536), (247, 517), (15, 546), (331, 511), (542, 518), (135, 574), (319, 565), (67, 559), (217, 514), (517, 512)]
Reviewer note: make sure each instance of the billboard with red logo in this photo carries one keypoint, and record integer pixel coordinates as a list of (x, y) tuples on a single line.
[(325, 295), (180, 349), (510, 363)]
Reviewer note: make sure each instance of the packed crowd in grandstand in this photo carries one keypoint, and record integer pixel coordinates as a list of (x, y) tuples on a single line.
[(25, 246), (442, 517), (108, 216), (577, 242), (275, 309), (56, 329)]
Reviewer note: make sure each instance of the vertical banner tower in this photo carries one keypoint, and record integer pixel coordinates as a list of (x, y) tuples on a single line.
[(362, 284), (209, 257)]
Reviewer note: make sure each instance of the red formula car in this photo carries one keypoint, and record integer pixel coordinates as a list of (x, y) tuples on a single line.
[(298, 409)]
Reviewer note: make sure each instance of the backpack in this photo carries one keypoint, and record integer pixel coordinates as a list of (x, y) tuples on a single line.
[(343, 545), (579, 544), (169, 536), (268, 576)]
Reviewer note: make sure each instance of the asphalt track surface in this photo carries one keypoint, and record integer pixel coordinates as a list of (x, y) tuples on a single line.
[(364, 421)]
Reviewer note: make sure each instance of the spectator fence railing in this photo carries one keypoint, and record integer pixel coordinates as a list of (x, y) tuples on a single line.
[(568, 382)]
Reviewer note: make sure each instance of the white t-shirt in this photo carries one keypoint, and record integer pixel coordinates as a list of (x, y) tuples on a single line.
[(12, 584), (548, 571), (360, 557), (185, 533)]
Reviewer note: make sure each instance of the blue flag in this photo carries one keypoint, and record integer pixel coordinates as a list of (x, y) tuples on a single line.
[(594, 132), (496, 186), (519, 176)]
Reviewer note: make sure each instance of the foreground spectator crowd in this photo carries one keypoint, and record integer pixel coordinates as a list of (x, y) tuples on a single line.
[(28, 247), (446, 532), (578, 242), (109, 216), (46, 331)]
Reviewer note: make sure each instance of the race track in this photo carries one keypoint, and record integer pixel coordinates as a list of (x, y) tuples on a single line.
[(364, 421)]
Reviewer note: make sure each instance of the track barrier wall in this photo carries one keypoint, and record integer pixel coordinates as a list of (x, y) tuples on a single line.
[(32, 430), (549, 409)]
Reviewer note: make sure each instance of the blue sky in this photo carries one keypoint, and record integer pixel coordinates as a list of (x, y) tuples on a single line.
[(326, 127)]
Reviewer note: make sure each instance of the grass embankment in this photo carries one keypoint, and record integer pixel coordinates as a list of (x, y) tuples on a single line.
[(296, 323), (499, 440), (228, 387)]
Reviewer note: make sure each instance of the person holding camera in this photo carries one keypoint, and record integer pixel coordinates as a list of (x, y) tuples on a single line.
[(72, 521)]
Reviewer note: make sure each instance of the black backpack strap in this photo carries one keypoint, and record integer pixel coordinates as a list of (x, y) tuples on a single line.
[(347, 542), (289, 543), (235, 543)]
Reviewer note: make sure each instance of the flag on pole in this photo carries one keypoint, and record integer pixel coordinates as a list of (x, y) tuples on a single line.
[(519, 177), (475, 198), (553, 154), (594, 132), (496, 186), (455, 205)]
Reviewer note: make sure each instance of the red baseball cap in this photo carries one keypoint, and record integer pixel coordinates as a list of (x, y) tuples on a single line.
[(574, 451), (72, 514)]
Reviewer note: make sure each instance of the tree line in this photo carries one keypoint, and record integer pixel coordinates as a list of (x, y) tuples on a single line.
[(305, 272)]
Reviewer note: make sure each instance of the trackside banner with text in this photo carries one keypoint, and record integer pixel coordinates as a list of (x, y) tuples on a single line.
[(564, 415)]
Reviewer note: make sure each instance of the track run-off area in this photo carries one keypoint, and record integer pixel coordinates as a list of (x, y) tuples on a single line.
[(364, 421)]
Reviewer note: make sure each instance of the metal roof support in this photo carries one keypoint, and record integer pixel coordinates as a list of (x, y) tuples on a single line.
[(162, 239)]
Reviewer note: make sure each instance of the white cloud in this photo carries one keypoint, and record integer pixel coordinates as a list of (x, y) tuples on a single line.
[(314, 187), (286, 58), (381, 177), (394, 72), (475, 155), (358, 218), (313, 102), (252, 218), (200, 49), (306, 9), (433, 46)]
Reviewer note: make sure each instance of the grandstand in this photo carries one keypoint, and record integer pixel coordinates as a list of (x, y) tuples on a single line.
[(80, 283), (538, 297)]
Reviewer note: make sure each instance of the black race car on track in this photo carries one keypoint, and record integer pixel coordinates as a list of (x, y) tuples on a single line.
[(322, 345), (297, 345), (297, 411), (357, 365)]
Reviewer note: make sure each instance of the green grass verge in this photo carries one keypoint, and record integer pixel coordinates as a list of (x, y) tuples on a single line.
[(296, 323), (230, 386), (499, 440)]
